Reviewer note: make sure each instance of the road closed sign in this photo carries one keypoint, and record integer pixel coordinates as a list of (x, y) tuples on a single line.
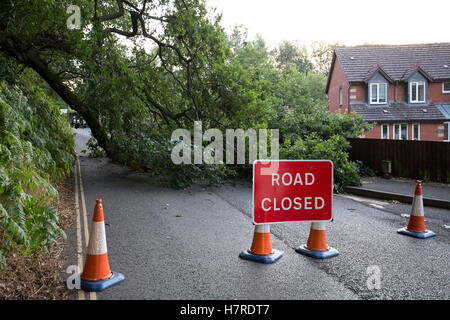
[(292, 190)]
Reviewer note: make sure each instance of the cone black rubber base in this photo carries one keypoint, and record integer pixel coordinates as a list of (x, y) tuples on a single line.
[(330, 253), (420, 235), (101, 285), (262, 258)]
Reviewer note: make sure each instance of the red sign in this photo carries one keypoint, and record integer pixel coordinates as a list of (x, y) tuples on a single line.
[(292, 190)]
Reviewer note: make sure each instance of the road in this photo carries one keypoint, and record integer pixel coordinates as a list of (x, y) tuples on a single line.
[(184, 244)]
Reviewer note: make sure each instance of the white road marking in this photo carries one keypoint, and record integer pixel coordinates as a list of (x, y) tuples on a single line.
[(92, 295), (361, 199)]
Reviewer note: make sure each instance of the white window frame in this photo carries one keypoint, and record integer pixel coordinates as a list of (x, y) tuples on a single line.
[(418, 131), (447, 139), (341, 97), (416, 98), (443, 87), (400, 131), (377, 84), (382, 126)]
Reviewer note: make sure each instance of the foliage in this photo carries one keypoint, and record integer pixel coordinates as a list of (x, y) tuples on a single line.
[(314, 147), (36, 147), (150, 150), (309, 131), (95, 150), (364, 170), (321, 56), (295, 103), (289, 55)]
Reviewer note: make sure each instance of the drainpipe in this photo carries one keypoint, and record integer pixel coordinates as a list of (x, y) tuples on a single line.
[(348, 99), (395, 91)]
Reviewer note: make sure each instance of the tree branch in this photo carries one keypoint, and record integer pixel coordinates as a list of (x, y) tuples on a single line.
[(113, 16), (31, 58)]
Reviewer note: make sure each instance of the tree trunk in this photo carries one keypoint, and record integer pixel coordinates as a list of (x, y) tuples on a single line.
[(30, 57)]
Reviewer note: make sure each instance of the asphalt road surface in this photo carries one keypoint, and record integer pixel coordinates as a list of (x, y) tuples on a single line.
[(184, 244)]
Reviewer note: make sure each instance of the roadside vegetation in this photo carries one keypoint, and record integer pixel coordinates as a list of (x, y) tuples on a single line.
[(36, 154)]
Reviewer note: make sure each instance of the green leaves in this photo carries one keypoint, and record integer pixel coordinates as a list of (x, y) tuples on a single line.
[(43, 226), (314, 147), (294, 102), (11, 227), (289, 55), (36, 145)]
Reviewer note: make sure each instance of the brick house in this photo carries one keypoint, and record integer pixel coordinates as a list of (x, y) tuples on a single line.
[(403, 89)]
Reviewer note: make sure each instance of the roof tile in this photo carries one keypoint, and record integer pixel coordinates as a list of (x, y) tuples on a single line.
[(395, 60), (398, 112)]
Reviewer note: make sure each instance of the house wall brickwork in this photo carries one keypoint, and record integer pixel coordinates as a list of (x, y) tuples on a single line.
[(337, 81), (357, 92), (435, 93)]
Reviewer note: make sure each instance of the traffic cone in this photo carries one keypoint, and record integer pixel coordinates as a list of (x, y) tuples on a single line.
[(317, 246), (261, 249), (97, 275), (416, 224)]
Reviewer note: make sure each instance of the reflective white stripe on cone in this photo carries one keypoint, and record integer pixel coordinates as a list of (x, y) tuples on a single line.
[(316, 246), (97, 275), (416, 224), (261, 249), (97, 238)]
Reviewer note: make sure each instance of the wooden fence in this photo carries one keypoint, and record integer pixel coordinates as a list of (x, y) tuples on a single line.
[(427, 160)]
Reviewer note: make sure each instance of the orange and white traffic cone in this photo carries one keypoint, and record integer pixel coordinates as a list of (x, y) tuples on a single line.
[(97, 275), (261, 249), (317, 246), (416, 224)]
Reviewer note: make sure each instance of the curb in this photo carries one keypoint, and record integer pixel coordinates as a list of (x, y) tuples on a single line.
[(431, 202)]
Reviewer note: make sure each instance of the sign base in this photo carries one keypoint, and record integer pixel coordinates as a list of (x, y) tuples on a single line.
[(263, 258), (420, 235), (330, 253), (101, 285)]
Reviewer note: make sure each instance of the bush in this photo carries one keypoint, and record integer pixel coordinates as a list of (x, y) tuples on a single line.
[(364, 170), (36, 148), (314, 148), (309, 131)]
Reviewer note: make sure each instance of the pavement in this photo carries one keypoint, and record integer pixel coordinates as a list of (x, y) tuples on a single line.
[(400, 189), (184, 244)]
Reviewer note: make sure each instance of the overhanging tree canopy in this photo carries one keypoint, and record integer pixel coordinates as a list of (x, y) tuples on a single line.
[(174, 63)]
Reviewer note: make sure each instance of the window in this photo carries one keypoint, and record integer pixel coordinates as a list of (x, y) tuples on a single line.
[(447, 131), (378, 93), (385, 131), (341, 97), (416, 131), (401, 131), (445, 87), (416, 92)]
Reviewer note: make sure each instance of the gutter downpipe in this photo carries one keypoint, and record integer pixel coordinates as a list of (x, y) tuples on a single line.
[(348, 98), (395, 91)]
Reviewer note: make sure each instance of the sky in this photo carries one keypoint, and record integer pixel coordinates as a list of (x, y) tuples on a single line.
[(349, 22)]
